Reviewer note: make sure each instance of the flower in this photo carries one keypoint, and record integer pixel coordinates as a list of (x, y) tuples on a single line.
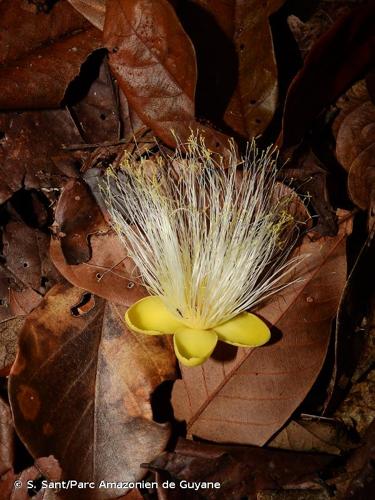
[(210, 238), (194, 345)]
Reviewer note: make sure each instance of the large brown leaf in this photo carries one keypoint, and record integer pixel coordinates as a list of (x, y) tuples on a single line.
[(41, 53), (154, 62), (87, 252), (235, 57), (245, 396), (80, 389)]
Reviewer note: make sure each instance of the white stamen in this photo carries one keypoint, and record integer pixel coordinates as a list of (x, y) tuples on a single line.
[(210, 241)]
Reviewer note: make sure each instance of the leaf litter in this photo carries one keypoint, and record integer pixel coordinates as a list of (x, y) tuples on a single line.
[(253, 420)]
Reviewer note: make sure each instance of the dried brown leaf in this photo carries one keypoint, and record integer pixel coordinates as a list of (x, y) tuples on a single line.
[(25, 251), (231, 38), (80, 389), (344, 52), (316, 435), (29, 142), (9, 331), (242, 471), (92, 10), (41, 53), (154, 62), (245, 396), (97, 112), (87, 252)]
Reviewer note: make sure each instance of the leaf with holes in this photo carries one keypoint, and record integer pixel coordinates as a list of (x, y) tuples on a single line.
[(245, 396), (231, 38), (87, 252), (81, 385)]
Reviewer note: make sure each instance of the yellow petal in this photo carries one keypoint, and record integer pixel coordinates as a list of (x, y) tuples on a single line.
[(244, 330), (149, 315), (193, 347)]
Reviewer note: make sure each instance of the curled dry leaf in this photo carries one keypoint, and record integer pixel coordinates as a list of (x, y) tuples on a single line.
[(87, 252), (153, 60), (29, 142), (235, 56), (245, 396), (92, 10), (41, 53), (355, 151), (80, 389)]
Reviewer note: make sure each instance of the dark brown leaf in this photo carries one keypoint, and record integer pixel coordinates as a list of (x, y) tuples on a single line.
[(246, 395), (41, 53), (26, 255), (241, 471), (231, 38), (30, 140), (80, 389), (340, 57), (355, 151), (97, 113)]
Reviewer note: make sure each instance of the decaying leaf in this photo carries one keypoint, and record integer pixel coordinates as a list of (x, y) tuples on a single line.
[(41, 53), (25, 251), (29, 142), (97, 113), (9, 331), (236, 63), (80, 389), (245, 396), (87, 252)]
